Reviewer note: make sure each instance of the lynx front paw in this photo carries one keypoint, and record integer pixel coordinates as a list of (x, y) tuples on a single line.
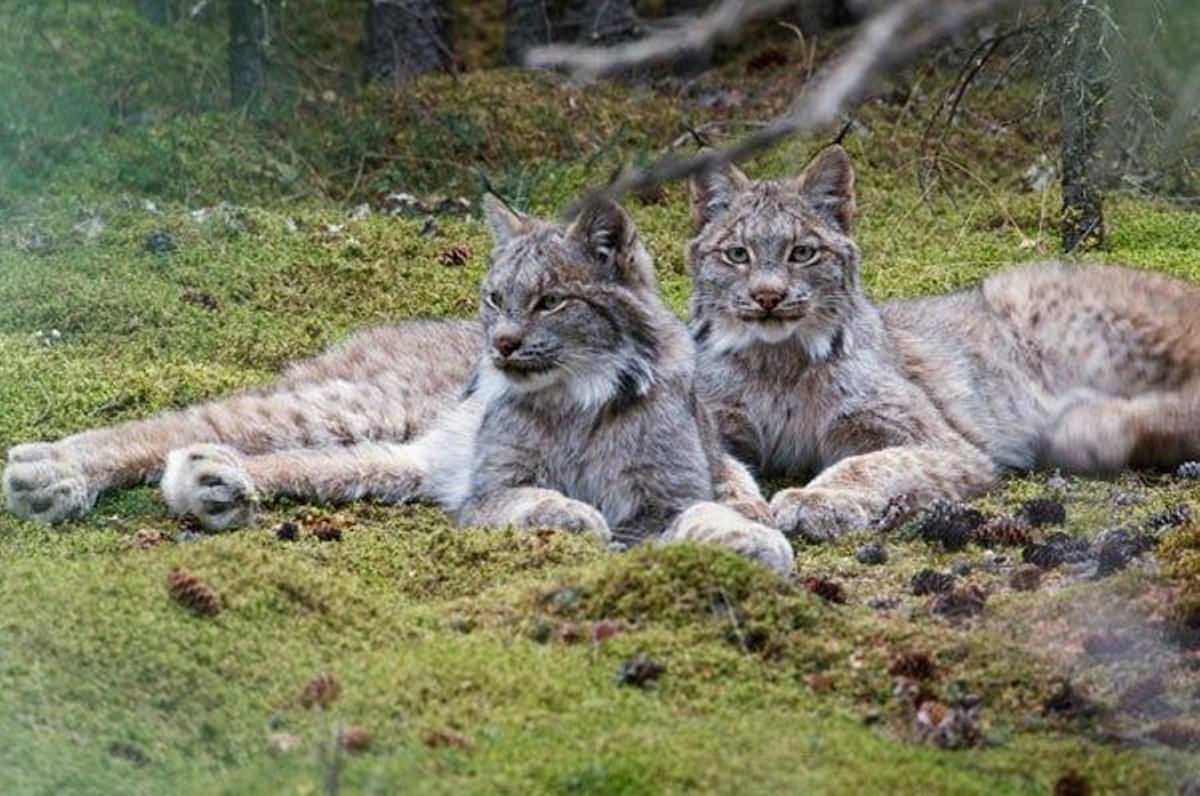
[(209, 483), (558, 511), (713, 523), (817, 514), (41, 482)]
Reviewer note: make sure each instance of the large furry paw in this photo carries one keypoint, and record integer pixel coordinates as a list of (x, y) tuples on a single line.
[(755, 510), (714, 523), (210, 483), (559, 511), (43, 482), (818, 514)]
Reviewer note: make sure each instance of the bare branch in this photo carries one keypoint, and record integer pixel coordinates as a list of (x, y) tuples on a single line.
[(891, 38), (721, 22)]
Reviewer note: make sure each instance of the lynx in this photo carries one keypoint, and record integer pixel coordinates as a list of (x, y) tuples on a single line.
[(569, 404), (1084, 368)]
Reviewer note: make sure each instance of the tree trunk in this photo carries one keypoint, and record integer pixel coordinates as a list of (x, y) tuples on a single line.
[(1081, 90), (156, 11), (406, 38), (528, 25), (247, 28)]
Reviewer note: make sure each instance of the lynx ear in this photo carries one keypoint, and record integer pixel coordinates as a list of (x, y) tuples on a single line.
[(828, 183), (713, 191), (505, 222), (610, 239)]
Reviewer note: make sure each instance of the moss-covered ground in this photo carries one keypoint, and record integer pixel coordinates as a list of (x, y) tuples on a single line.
[(488, 661)]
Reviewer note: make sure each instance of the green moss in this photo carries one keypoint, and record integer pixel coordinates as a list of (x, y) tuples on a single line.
[(1180, 553), (107, 685)]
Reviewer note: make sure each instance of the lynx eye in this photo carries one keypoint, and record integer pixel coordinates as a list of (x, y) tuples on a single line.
[(803, 254), (494, 300), (549, 302), (738, 255)]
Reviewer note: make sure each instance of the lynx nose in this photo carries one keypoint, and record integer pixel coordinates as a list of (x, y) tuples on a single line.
[(767, 297), (506, 343)]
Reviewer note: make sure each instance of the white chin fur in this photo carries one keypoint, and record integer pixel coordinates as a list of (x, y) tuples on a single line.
[(494, 382), (589, 390), (593, 389), (730, 335)]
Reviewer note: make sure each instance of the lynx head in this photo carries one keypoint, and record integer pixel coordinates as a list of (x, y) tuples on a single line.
[(773, 261), (571, 305)]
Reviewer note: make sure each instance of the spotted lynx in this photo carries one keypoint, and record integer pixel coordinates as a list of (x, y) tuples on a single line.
[(578, 413), (1084, 368)]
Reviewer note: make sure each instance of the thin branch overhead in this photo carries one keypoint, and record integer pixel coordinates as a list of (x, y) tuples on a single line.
[(893, 37), (721, 22)]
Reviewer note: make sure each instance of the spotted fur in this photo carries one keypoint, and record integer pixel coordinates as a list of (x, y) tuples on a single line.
[(1083, 368)]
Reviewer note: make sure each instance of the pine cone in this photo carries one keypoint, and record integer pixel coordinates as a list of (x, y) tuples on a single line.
[(916, 665), (1118, 548), (193, 593), (286, 531), (1042, 512), (321, 691), (148, 537), (639, 672), (455, 255), (1026, 578), (1169, 518), (1072, 784), (1002, 532), (1044, 555), (355, 739), (959, 603), (326, 528), (452, 738), (190, 524), (929, 581), (1073, 548), (825, 588), (950, 525)]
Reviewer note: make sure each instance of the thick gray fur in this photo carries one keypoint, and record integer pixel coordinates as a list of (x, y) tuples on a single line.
[(1087, 369), (579, 412)]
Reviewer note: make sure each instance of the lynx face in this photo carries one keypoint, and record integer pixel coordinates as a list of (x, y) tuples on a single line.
[(774, 261), (567, 305)]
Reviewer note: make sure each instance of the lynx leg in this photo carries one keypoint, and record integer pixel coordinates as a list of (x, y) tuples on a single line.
[(54, 482), (853, 491), (714, 523), (736, 488), (221, 487), (1154, 430), (532, 507)]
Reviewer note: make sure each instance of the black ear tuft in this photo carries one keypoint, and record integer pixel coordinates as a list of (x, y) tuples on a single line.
[(828, 183), (713, 191), (505, 222)]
